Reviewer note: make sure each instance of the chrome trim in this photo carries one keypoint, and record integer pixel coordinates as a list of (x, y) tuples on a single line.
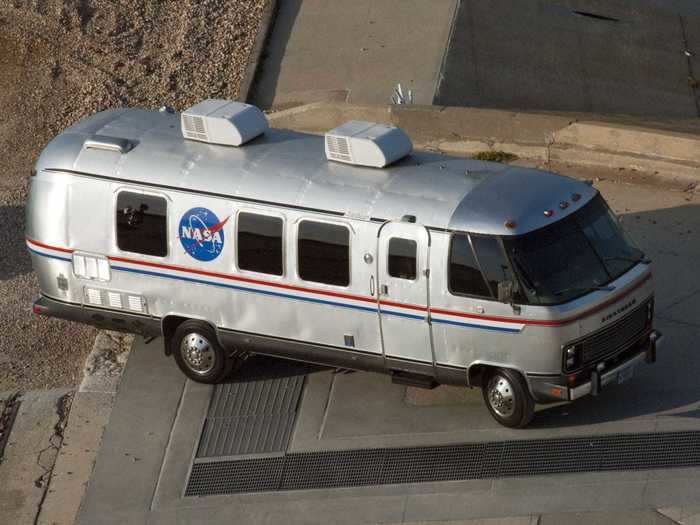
[(655, 340)]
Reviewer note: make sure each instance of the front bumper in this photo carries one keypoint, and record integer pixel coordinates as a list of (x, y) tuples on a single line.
[(551, 389)]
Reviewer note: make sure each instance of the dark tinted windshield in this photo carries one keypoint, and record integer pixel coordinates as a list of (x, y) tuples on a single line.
[(573, 256)]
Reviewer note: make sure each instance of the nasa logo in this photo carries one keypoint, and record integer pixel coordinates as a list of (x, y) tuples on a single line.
[(202, 234)]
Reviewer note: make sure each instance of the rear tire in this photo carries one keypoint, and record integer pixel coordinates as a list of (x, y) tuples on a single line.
[(199, 355), (508, 398)]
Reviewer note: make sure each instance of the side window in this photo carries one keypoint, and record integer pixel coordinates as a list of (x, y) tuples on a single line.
[(142, 224), (464, 274), (324, 253), (260, 243), (402, 258), (493, 262)]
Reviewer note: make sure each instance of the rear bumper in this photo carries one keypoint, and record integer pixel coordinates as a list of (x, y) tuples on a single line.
[(99, 317), (551, 389)]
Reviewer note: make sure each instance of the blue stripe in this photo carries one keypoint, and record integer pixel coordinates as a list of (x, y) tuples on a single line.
[(245, 289), (295, 297), (47, 255), (407, 316), (481, 326)]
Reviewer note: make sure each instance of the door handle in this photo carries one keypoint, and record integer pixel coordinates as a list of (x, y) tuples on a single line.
[(384, 289), (371, 285)]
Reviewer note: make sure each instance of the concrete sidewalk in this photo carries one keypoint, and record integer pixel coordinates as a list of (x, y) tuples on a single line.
[(33, 445), (356, 51)]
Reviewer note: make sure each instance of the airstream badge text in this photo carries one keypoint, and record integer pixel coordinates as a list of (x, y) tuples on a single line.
[(620, 310)]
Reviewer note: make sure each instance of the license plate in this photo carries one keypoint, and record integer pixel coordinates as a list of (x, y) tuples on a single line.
[(625, 374)]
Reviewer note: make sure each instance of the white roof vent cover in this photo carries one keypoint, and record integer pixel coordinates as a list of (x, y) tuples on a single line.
[(367, 144), (222, 122)]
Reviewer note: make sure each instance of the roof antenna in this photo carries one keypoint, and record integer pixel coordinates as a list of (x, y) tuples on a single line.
[(399, 97)]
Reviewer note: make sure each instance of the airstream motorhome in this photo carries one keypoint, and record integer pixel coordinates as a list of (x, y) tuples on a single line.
[(230, 239)]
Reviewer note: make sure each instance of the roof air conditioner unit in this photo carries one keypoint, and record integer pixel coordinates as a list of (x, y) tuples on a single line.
[(367, 144), (222, 122)]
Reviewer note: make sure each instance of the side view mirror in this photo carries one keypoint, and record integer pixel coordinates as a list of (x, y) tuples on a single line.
[(505, 291)]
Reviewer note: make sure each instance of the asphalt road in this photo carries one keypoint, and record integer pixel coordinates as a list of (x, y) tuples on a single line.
[(575, 55)]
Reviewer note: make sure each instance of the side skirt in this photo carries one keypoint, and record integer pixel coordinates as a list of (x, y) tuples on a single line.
[(337, 357)]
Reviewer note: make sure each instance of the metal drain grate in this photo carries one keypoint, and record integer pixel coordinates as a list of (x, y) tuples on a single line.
[(382, 466), (255, 415)]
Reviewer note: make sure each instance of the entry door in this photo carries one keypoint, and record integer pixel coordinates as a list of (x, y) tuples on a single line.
[(403, 282)]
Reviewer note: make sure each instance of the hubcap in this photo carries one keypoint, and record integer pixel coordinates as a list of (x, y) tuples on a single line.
[(198, 354), (501, 397)]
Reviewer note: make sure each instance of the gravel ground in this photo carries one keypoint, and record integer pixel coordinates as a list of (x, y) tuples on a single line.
[(61, 60)]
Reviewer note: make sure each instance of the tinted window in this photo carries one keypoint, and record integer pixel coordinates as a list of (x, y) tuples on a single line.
[(260, 243), (324, 253), (492, 261), (571, 257), (141, 224), (402, 258), (464, 274)]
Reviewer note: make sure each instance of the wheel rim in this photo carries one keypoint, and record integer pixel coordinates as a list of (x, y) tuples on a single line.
[(501, 396), (197, 353)]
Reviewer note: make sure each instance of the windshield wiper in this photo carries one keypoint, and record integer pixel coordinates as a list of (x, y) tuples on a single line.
[(642, 259), (519, 266), (585, 289)]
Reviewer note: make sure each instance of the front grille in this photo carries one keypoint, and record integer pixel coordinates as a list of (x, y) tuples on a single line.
[(614, 338)]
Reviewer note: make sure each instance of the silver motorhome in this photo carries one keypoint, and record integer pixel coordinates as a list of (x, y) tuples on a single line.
[(349, 250)]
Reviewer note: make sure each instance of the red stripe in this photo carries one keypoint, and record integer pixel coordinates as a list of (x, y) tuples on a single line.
[(535, 322), (559, 322), (245, 279), (64, 250), (402, 305)]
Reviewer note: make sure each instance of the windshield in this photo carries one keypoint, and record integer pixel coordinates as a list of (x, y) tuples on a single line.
[(572, 257)]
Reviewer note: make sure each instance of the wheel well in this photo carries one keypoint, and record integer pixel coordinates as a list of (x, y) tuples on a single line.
[(479, 373), (169, 325)]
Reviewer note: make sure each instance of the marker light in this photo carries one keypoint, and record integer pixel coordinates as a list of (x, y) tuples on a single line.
[(563, 205), (548, 213), (571, 355), (576, 197), (510, 224)]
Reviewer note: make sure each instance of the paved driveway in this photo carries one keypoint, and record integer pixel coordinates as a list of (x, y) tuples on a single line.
[(602, 57), (147, 451)]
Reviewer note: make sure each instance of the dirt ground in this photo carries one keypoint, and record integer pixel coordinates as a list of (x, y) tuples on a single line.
[(61, 60)]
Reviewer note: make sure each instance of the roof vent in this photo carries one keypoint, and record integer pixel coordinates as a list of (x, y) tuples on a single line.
[(106, 143), (222, 122), (367, 144)]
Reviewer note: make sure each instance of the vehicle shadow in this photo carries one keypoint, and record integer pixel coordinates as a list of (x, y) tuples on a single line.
[(671, 238), (260, 367), (14, 258)]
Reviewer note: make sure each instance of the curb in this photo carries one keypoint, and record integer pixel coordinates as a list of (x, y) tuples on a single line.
[(667, 151), (261, 38), (85, 424)]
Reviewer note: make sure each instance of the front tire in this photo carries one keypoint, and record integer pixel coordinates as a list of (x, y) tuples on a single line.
[(198, 353), (508, 398)]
